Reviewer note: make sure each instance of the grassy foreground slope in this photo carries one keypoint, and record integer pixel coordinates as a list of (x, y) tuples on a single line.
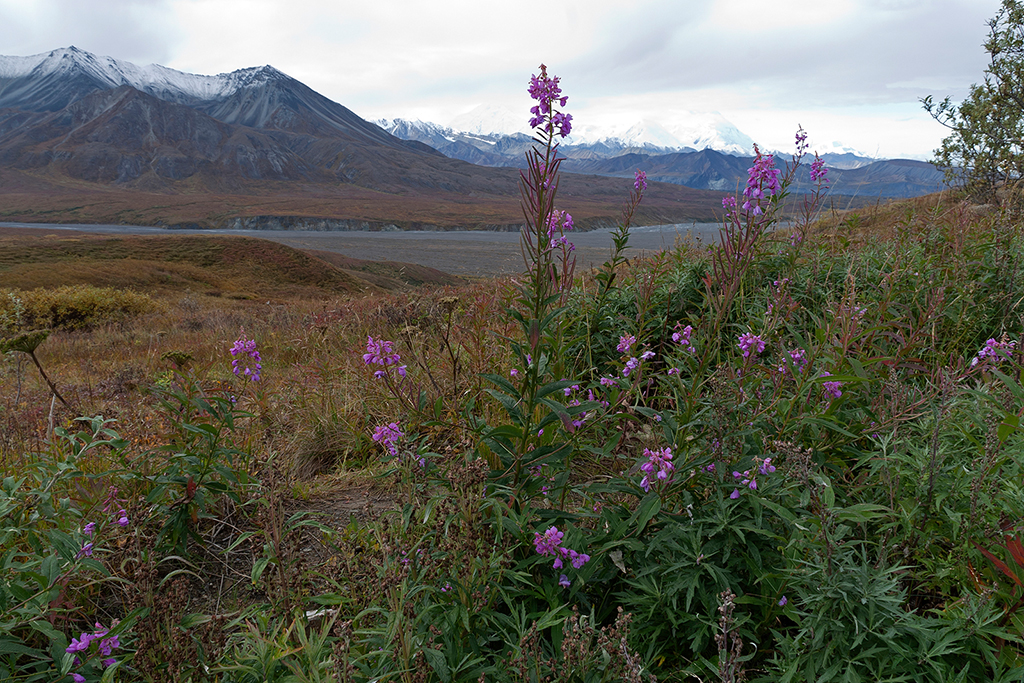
[(817, 479)]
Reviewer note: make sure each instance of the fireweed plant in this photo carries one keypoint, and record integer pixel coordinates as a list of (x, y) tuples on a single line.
[(791, 456)]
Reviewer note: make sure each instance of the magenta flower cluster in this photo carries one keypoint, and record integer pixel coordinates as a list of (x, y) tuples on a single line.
[(762, 182), (765, 468), (382, 352), (242, 350), (105, 648), (819, 173), (546, 91), (388, 436), (993, 352), (626, 342), (640, 181), (634, 363), (559, 223), (682, 337), (832, 389), (798, 359), (658, 468), (120, 518), (550, 543), (750, 343)]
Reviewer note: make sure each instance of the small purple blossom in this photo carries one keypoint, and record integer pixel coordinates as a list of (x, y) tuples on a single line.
[(993, 352), (380, 352), (564, 581), (783, 601), (798, 358), (626, 342), (682, 337), (607, 381), (549, 542), (80, 644), (729, 204), (86, 551), (631, 365), (388, 436), (122, 518), (241, 349), (546, 91), (640, 181), (819, 173), (89, 528), (750, 343), (78, 678), (831, 389), (658, 468), (762, 182)]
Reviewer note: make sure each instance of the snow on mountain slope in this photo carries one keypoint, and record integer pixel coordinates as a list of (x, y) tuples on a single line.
[(107, 72), (488, 119)]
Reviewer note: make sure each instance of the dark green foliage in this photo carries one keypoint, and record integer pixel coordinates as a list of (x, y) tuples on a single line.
[(985, 151)]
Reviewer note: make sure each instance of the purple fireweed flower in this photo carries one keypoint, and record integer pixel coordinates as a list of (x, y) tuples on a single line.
[(783, 601), (729, 204), (564, 581), (993, 352), (682, 337), (831, 389), (122, 518), (549, 542), (750, 343), (108, 645), (380, 352), (640, 182), (762, 181), (559, 222), (546, 91), (388, 436), (798, 358), (86, 551), (673, 371), (89, 528), (801, 141), (78, 678), (647, 355), (80, 644), (241, 349), (626, 342), (631, 365), (819, 173), (658, 467), (513, 372), (607, 381)]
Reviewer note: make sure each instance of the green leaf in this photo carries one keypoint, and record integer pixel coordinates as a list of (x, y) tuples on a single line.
[(511, 405), (258, 568)]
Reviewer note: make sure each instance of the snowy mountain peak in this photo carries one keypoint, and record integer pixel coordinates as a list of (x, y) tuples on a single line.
[(489, 119), (153, 78)]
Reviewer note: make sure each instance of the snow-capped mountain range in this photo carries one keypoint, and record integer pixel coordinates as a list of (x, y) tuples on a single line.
[(494, 135), (100, 119), (160, 81)]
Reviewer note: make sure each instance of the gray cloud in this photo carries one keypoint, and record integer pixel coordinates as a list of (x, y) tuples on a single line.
[(140, 31)]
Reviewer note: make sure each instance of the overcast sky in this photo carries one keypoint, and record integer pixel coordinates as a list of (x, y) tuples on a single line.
[(851, 71)]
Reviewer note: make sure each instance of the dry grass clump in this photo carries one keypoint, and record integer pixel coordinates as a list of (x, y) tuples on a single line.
[(71, 307)]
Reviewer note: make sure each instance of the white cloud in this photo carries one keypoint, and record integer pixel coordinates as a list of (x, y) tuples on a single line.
[(862, 64)]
